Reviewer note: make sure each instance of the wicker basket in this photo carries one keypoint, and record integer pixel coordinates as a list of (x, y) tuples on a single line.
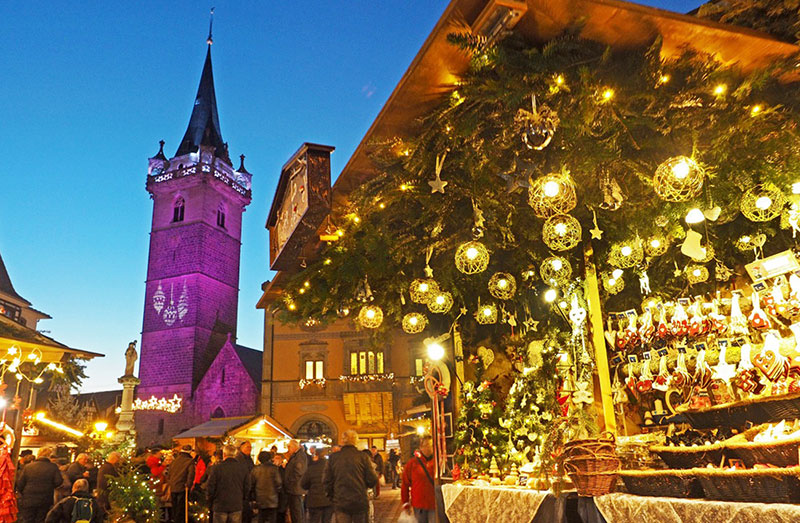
[(690, 457), (605, 445), (781, 453), (762, 409), (593, 475), (774, 485), (668, 483)]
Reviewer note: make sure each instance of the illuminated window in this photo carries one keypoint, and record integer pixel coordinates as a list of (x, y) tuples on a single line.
[(314, 370), (177, 210), (221, 216), (366, 362), (419, 367)]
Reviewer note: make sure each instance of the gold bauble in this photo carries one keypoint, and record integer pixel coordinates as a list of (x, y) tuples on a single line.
[(440, 303), (611, 284), (370, 317), (502, 286), (561, 232), (696, 274), (555, 271), (627, 254), (762, 203), (486, 314), (472, 257), (422, 289), (678, 179), (656, 245), (552, 194), (414, 322)]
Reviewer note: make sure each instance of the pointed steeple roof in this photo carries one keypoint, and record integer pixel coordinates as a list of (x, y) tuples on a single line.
[(5, 283), (204, 124)]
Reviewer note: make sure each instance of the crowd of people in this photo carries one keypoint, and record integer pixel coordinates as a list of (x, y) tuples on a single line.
[(314, 485)]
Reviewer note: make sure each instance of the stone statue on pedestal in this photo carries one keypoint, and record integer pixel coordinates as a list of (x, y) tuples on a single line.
[(130, 358), (125, 422)]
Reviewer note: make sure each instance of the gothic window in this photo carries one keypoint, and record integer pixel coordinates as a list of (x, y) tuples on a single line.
[(313, 429), (366, 362), (419, 367), (315, 370), (222, 377), (178, 210), (218, 413), (221, 216)]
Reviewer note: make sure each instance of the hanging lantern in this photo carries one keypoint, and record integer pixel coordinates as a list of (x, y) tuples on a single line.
[(561, 232), (552, 194), (656, 245), (555, 271), (678, 179), (441, 303), (538, 125), (370, 316), (486, 314), (625, 255), (502, 286), (696, 273), (414, 322), (422, 289), (762, 203), (613, 283), (472, 257)]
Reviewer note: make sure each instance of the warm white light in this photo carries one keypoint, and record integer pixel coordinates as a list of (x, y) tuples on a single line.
[(626, 250), (423, 287), (720, 89), (487, 311), (612, 282), (557, 264), (421, 430), (763, 203), (608, 94), (100, 426), (617, 273), (695, 215), (561, 229), (413, 320), (697, 272), (796, 188), (435, 352), (655, 243), (472, 253), (681, 169), (562, 304), (307, 284), (440, 300), (370, 313), (550, 296), (502, 283), (744, 239), (551, 189)]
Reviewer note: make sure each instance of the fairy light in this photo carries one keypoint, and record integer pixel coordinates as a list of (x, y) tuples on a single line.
[(327, 261), (472, 253), (755, 110), (560, 80), (608, 94), (720, 89), (626, 250), (681, 169), (306, 284), (403, 187), (551, 189), (169, 405), (796, 188), (557, 264), (550, 295), (763, 203), (664, 78), (617, 274), (655, 243)]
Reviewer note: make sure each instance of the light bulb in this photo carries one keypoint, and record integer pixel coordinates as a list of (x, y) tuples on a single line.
[(612, 282), (695, 215), (763, 203), (435, 352), (755, 110), (796, 188), (608, 94), (423, 287), (655, 244), (562, 304), (551, 189), (502, 283), (626, 250), (744, 239), (412, 320), (550, 295), (697, 272), (472, 253), (663, 79), (681, 169), (561, 229), (487, 311), (720, 89), (559, 80), (617, 273), (370, 313), (557, 264), (439, 299)]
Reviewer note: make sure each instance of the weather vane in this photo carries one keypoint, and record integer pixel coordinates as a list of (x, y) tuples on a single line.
[(210, 26)]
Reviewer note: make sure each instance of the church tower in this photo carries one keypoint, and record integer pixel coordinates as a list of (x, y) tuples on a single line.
[(192, 287)]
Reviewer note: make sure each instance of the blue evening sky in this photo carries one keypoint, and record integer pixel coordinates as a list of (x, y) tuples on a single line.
[(88, 89)]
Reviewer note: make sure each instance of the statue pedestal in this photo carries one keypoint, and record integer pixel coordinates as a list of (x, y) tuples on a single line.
[(125, 422)]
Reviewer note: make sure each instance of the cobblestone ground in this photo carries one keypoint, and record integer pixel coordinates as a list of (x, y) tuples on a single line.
[(388, 506)]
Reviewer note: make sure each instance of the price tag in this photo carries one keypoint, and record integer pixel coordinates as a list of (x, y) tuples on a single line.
[(662, 352), (646, 355), (700, 346), (632, 358)]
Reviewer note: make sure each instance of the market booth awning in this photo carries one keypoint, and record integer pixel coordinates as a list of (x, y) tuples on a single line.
[(260, 427), (13, 334)]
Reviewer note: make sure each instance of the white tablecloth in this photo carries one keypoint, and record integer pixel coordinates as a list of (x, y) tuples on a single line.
[(626, 507), (467, 504)]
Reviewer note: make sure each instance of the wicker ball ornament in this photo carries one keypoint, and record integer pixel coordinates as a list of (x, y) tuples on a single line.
[(656, 245), (472, 257), (696, 274), (502, 286), (625, 255), (370, 316), (486, 314), (762, 203), (552, 194), (555, 271), (678, 179), (414, 322), (611, 284), (561, 232), (441, 303), (422, 290)]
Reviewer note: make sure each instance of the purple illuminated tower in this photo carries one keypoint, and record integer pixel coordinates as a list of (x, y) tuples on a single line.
[(192, 284)]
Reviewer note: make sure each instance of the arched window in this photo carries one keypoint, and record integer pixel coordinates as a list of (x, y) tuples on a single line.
[(221, 215), (314, 429), (218, 413), (178, 209)]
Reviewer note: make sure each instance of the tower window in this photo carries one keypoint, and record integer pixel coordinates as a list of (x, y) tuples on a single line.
[(222, 378), (221, 216), (177, 210)]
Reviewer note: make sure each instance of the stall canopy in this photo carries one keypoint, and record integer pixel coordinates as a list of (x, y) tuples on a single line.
[(260, 427), (13, 334)]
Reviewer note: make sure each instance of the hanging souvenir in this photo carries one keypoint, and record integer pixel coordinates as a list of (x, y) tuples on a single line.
[(698, 325), (662, 381), (702, 371), (758, 318), (538, 125), (738, 321), (680, 376), (747, 377), (723, 370), (770, 361), (717, 322), (679, 326), (662, 331), (646, 329), (645, 382)]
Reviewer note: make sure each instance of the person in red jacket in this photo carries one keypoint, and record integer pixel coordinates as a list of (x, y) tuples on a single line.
[(418, 482)]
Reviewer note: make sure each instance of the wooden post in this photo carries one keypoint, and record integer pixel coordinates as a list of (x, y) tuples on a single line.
[(592, 294), (458, 352)]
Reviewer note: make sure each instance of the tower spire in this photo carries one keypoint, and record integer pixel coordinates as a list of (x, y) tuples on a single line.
[(210, 40)]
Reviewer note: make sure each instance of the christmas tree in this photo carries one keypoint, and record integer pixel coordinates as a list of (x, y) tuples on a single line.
[(132, 498)]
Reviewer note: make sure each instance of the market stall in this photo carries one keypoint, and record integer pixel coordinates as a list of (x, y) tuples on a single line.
[(261, 430)]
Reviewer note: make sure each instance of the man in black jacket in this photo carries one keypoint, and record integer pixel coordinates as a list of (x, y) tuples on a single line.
[(266, 484), (228, 487), (246, 460), (180, 477), (320, 509), (107, 470), (36, 485), (346, 478), (295, 468), (79, 469), (62, 511)]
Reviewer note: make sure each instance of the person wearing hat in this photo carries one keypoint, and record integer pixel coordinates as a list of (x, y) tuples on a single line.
[(180, 476)]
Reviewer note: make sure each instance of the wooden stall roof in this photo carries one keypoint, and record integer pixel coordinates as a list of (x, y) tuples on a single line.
[(15, 334)]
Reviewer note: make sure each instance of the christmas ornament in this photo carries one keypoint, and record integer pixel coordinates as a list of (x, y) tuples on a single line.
[(370, 316), (555, 271), (582, 394), (770, 361), (723, 370), (438, 185), (702, 372), (561, 232), (662, 381), (679, 325), (472, 257), (342, 311), (441, 303), (422, 290), (486, 356), (611, 284), (552, 194), (696, 274), (493, 470), (738, 321), (680, 376), (364, 292), (678, 179), (790, 218), (645, 382), (713, 213), (595, 231), (762, 203), (656, 245), (538, 125), (647, 330), (706, 254), (644, 283), (414, 322), (486, 314), (612, 193), (626, 254), (758, 318), (698, 325), (502, 286), (722, 272), (691, 245)]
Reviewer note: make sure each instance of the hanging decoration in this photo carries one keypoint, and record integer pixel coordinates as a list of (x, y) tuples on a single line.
[(696, 273), (422, 290), (502, 286), (612, 193), (370, 316), (656, 245), (705, 254), (441, 303), (437, 184), (678, 179), (613, 284), (538, 125), (595, 231), (561, 232), (625, 255), (414, 322), (762, 203), (472, 257), (691, 246), (486, 314), (555, 271), (552, 194)]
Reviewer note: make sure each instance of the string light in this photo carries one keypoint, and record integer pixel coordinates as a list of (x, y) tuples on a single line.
[(720, 89), (755, 110), (303, 383), (559, 80), (169, 405), (608, 94), (664, 78), (550, 295), (404, 187), (796, 188), (364, 378)]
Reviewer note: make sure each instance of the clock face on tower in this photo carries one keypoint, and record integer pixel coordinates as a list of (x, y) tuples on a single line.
[(294, 205)]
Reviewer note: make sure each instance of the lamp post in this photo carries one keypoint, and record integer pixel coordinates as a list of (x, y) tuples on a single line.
[(437, 385)]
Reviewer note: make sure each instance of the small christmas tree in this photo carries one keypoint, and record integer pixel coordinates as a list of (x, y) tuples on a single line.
[(132, 498), (493, 470), (479, 436)]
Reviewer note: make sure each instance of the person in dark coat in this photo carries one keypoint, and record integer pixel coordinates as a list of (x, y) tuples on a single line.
[(107, 470), (378, 460), (180, 477), (320, 508), (283, 497), (36, 485), (394, 459), (346, 479), (62, 511), (246, 460), (295, 468), (266, 483), (228, 488)]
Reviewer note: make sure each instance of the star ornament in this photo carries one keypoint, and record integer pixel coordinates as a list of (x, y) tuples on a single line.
[(437, 185), (596, 233)]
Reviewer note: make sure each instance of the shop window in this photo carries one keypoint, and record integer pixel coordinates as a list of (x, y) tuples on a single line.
[(366, 362), (178, 210), (315, 369)]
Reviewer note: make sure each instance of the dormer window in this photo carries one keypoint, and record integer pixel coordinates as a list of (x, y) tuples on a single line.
[(221, 216), (178, 210)]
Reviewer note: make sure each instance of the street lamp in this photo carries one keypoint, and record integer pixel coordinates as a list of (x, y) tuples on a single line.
[(100, 426)]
